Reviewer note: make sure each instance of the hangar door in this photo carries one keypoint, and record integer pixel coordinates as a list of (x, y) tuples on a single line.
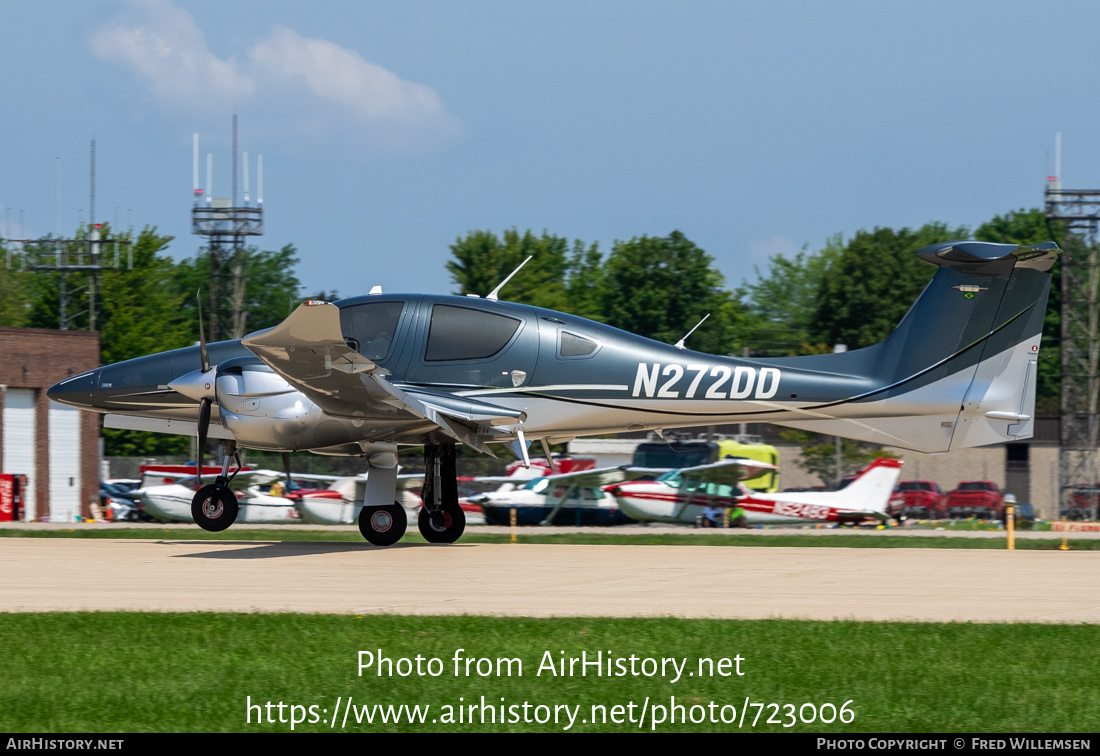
[(19, 458), (64, 424)]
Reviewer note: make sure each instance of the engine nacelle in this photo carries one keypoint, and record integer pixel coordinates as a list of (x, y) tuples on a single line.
[(263, 411), (259, 407)]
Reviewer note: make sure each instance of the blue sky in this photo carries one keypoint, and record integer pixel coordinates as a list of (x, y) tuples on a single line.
[(388, 130)]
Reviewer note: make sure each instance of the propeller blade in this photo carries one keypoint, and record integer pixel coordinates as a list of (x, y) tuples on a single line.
[(204, 425), (202, 337), (286, 469)]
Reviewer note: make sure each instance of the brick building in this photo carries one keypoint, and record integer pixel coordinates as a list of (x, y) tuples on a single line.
[(55, 446)]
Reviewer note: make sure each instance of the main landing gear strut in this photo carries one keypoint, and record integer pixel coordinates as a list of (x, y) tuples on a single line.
[(214, 507), (441, 518)]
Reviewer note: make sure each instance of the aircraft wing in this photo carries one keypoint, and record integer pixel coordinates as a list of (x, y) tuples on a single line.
[(727, 471), (603, 476), (308, 350)]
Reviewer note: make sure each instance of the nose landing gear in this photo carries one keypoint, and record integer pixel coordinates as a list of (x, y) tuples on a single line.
[(215, 507)]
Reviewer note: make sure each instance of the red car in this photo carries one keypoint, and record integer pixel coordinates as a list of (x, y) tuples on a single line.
[(1085, 498), (976, 498), (921, 499)]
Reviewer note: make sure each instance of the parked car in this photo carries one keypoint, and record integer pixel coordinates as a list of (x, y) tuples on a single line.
[(120, 504), (976, 498), (922, 499), (1085, 501)]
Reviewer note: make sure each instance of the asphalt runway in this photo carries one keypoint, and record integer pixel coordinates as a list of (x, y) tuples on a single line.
[(61, 574)]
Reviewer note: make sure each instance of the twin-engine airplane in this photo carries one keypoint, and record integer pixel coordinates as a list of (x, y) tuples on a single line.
[(368, 374)]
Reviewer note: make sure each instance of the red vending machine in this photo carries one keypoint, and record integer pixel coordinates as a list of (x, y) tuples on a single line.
[(7, 498)]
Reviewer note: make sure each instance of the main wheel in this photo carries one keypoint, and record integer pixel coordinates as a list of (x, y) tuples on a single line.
[(445, 527), (214, 509), (383, 526)]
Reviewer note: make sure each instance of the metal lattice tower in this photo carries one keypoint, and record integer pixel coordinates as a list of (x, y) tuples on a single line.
[(1078, 213), (225, 226)]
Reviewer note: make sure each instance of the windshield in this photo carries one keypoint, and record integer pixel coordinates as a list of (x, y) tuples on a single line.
[(538, 485)]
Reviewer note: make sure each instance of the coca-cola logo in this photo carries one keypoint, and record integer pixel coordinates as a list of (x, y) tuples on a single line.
[(6, 494)]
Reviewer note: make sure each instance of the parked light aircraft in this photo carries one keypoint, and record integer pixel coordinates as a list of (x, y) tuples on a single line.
[(365, 375), (171, 502), (573, 498), (679, 496)]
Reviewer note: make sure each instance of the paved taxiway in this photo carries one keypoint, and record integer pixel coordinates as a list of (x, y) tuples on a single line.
[(550, 580)]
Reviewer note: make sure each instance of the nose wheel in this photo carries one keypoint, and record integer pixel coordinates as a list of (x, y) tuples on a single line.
[(214, 508), (383, 526)]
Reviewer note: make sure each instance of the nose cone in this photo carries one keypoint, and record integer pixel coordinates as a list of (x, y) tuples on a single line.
[(76, 391)]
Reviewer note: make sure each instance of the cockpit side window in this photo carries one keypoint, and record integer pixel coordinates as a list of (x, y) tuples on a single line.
[(462, 333), (574, 345), (370, 328)]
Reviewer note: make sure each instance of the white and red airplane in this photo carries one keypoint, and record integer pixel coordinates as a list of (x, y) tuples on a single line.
[(680, 496)]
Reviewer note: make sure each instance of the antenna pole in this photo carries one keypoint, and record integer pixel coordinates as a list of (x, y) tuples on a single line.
[(493, 294), (91, 203), (1058, 155), (234, 195), (680, 344), (195, 167)]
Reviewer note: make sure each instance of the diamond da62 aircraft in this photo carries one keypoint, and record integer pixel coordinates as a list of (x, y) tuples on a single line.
[(366, 375)]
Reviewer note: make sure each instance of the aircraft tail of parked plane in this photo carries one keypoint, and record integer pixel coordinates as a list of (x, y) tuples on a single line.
[(968, 345), (866, 496), (872, 488)]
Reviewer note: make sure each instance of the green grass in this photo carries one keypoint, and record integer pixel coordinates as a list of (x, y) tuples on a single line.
[(138, 672), (883, 540)]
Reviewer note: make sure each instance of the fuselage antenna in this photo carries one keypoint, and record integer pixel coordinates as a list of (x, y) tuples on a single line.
[(492, 297), (680, 344)]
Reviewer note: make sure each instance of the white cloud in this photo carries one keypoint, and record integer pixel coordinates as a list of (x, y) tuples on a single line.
[(341, 76), (169, 52), (284, 72)]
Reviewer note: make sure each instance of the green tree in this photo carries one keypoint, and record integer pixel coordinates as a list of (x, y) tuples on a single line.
[(584, 285), (141, 314), (272, 289), (782, 304), (483, 260), (15, 302), (660, 287), (141, 308), (867, 289), (819, 454)]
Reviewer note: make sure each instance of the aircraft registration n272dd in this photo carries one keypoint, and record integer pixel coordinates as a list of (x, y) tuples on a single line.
[(366, 375)]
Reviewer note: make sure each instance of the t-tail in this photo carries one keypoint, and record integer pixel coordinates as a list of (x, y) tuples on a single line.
[(960, 369)]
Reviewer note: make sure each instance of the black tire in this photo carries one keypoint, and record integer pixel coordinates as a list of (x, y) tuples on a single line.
[(214, 509), (383, 526), (454, 523)]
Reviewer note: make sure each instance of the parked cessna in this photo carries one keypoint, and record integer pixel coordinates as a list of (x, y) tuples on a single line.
[(573, 498), (256, 503), (368, 374), (679, 496)]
